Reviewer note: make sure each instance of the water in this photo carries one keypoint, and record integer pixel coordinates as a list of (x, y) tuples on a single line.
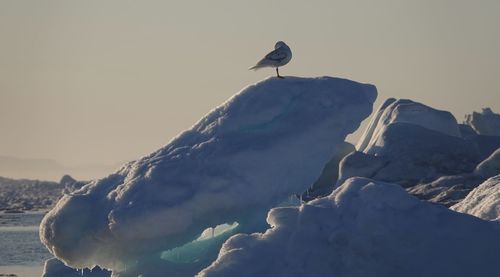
[(21, 252)]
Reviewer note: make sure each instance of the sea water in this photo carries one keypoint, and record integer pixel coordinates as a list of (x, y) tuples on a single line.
[(21, 252)]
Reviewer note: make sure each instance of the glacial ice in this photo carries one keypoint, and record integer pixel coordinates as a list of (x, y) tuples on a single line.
[(267, 142), (364, 228)]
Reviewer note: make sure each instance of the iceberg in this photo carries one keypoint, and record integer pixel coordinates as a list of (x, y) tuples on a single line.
[(484, 123), (266, 143), (483, 130), (364, 228), (408, 143)]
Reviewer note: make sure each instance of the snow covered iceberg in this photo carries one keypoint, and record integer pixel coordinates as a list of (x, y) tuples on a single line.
[(364, 228), (269, 141), (407, 142)]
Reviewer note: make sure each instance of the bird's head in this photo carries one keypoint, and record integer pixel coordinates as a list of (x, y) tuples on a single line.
[(279, 44)]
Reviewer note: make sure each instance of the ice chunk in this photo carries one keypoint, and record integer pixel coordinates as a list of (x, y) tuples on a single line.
[(449, 190), (55, 268), (485, 123), (266, 143), (483, 201), (406, 111), (407, 143), (364, 228), (491, 166)]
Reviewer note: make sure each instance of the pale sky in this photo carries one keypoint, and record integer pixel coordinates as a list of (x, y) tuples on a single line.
[(101, 82)]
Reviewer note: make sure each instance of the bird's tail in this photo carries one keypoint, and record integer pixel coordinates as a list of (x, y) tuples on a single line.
[(262, 63), (255, 67)]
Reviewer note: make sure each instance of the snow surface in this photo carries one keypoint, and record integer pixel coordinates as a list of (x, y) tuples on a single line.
[(364, 228), (269, 141), (483, 201), (406, 143)]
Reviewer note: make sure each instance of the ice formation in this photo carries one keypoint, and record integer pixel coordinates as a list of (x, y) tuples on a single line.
[(325, 184), (490, 166), (364, 228), (407, 142), (485, 123), (486, 144), (266, 143), (449, 190), (483, 201), (55, 268), (405, 111)]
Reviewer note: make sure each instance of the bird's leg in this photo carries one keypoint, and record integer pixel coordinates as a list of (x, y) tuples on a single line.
[(278, 74)]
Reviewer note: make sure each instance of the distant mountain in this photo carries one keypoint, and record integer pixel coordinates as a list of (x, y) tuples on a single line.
[(47, 169)]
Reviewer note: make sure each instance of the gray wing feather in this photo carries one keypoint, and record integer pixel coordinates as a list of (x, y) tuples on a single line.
[(276, 55)]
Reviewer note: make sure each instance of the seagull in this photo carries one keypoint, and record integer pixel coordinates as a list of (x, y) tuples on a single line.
[(280, 56)]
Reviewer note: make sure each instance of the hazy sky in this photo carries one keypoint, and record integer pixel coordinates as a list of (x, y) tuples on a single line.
[(86, 82)]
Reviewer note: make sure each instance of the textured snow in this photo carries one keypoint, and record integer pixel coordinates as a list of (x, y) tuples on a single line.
[(266, 143), (406, 143), (483, 201), (364, 228)]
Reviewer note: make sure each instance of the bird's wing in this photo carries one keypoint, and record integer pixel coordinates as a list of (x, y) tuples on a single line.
[(276, 55), (271, 59)]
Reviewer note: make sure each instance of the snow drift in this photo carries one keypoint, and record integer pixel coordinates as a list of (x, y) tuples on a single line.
[(407, 142), (268, 142), (364, 228)]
